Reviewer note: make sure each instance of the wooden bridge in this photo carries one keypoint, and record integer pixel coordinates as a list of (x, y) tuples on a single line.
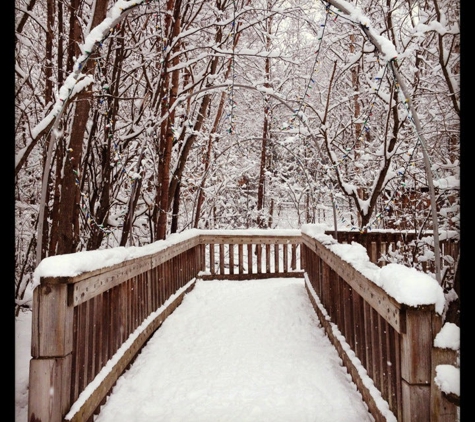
[(88, 329)]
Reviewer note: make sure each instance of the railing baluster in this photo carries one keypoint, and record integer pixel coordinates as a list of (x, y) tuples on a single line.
[(385, 359), (231, 258), (358, 314), (348, 312), (250, 269), (259, 257), (211, 259), (285, 253), (90, 341), (368, 329), (276, 258), (293, 262), (377, 351), (241, 258), (268, 270), (99, 305), (221, 258), (396, 354)]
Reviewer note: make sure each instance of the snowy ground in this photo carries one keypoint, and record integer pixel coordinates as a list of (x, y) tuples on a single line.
[(22, 363), (238, 351)]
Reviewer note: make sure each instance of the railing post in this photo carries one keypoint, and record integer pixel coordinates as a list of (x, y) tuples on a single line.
[(51, 351), (201, 258), (416, 365), (442, 410)]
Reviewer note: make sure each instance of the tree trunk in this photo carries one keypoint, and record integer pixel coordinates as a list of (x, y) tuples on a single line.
[(261, 221), (166, 130), (262, 170), (176, 210), (134, 197), (74, 35), (67, 213), (49, 53), (66, 207)]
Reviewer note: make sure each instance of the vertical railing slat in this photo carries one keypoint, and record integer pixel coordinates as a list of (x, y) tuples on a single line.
[(231, 258), (258, 247), (241, 258), (221, 258), (268, 268), (250, 265), (285, 253), (211, 259), (293, 261)]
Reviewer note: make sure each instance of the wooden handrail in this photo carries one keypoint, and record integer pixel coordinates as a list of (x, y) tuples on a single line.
[(393, 342), (88, 328), (379, 242)]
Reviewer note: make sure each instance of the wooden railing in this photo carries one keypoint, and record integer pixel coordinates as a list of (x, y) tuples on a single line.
[(252, 254), (393, 342), (379, 243), (87, 329)]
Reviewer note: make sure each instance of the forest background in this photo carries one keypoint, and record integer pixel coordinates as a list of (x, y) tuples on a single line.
[(137, 119)]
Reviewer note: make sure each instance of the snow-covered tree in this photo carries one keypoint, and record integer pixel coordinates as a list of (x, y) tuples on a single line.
[(136, 119)]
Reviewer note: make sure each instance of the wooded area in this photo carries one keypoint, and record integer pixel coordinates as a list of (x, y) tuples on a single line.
[(137, 119)]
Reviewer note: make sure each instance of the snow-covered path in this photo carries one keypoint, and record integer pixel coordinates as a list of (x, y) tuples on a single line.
[(244, 351)]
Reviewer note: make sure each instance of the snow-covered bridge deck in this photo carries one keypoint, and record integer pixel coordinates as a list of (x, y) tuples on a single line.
[(93, 314), (244, 351)]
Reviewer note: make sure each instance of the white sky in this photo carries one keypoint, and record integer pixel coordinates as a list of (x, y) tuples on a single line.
[(252, 351)]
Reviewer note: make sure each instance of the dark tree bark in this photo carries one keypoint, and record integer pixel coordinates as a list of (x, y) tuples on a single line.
[(261, 222), (49, 52), (67, 215), (66, 205), (175, 210), (170, 86)]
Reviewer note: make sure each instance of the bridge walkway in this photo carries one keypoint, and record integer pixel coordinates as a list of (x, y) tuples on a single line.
[(244, 351)]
